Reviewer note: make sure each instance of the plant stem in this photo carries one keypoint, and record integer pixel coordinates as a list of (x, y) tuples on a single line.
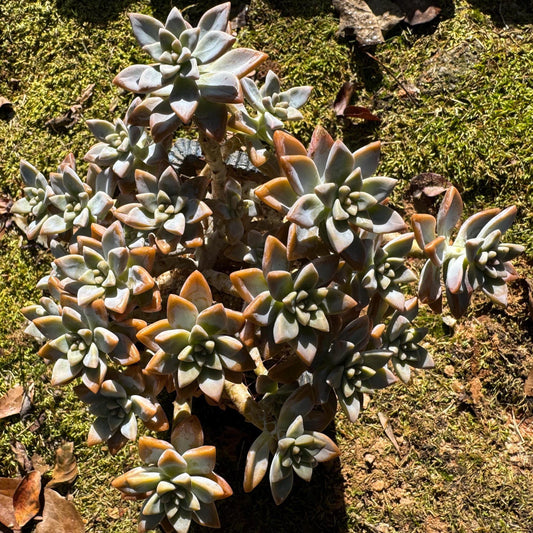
[(213, 157), (246, 405)]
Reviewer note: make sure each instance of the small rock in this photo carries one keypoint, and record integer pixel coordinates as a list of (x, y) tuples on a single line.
[(369, 459), (383, 528)]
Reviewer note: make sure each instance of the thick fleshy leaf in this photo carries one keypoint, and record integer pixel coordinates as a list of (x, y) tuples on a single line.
[(306, 211), (339, 165), (197, 291), (187, 435), (215, 19), (277, 194), (213, 44), (285, 327), (239, 61), (301, 172), (450, 212), (274, 255), (424, 228), (145, 28), (184, 99), (367, 158), (339, 233), (201, 460), (257, 461), (249, 283), (130, 78), (385, 220)]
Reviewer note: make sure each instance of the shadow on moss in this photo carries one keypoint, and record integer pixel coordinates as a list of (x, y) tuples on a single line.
[(509, 13), (93, 11)]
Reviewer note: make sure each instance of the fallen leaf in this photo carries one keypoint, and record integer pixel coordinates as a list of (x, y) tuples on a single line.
[(26, 498), (65, 469), (528, 385), (384, 420), (476, 391), (12, 402), (343, 98), (7, 513), (72, 115), (21, 455), (356, 111), (39, 464), (367, 20), (425, 188), (8, 485), (418, 11), (59, 515)]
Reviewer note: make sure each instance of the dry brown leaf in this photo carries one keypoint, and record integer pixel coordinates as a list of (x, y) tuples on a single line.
[(26, 498), (476, 390), (343, 98), (59, 515), (65, 469), (8, 485), (7, 513), (528, 385), (21, 455), (418, 11), (40, 464), (384, 420), (72, 115), (12, 402), (356, 111)]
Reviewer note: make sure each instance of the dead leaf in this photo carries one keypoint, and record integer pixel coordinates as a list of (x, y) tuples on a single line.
[(39, 464), (7, 513), (528, 385), (21, 455), (384, 420), (8, 485), (425, 188), (369, 20), (65, 469), (418, 11), (356, 111), (59, 515), (6, 109), (26, 498), (16, 398), (343, 98), (73, 115)]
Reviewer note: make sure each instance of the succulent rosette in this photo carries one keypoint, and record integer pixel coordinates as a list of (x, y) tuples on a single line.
[(103, 267), (402, 339), (387, 271), (81, 341), (271, 107), (117, 404), (475, 259), (62, 203), (196, 72), (296, 449), (349, 369), (196, 343), (125, 148), (333, 189), (292, 305), (178, 481), (168, 211)]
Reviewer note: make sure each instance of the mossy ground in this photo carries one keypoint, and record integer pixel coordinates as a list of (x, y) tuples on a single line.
[(465, 429)]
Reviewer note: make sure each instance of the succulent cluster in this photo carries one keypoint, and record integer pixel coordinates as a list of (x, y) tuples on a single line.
[(283, 292)]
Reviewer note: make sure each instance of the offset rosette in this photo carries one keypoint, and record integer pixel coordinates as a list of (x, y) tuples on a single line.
[(81, 341), (195, 72), (124, 148), (103, 267), (293, 306), (333, 189), (476, 259), (167, 211), (178, 482), (347, 368), (196, 342)]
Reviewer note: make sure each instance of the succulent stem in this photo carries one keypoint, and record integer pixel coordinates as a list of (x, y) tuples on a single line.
[(213, 156), (245, 404)]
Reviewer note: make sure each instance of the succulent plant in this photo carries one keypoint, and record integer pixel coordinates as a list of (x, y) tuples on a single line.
[(272, 107), (196, 342), (124, 148), (476, 259), (81, 341), (103, 267), (295, 449), (168, 211), (387, 271), (195, 72), (34, 204), (402, 339), (61, 204), (178, 481), (294, 305), (350, 369), (330, 188), (117, 404)]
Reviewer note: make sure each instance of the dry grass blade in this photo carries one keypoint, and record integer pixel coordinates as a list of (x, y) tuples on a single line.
[(384, 421)]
